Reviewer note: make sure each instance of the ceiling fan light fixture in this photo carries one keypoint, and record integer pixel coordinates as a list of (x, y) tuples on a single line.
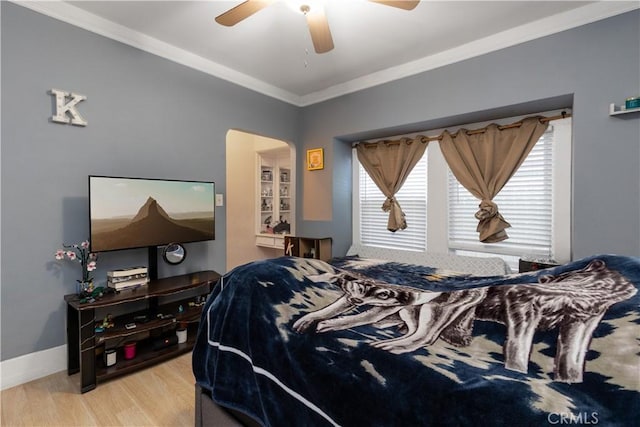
[(304, 6), (313, 11)]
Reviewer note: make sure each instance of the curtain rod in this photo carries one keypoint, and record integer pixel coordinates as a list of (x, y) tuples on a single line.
[(421, 138)]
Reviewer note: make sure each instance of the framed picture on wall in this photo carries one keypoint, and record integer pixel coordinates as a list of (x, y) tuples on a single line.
[(315, 159)]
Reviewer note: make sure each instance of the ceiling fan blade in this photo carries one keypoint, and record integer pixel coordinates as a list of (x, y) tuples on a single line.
[(400, 4), (319, 29), (242, 11)]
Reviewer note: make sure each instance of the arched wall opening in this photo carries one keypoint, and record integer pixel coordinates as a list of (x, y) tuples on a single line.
[(242, 193)]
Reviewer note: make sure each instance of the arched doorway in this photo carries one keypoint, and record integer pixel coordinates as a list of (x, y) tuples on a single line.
[(243, 213)]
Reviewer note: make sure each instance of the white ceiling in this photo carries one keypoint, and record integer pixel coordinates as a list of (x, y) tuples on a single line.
[(271, 51)]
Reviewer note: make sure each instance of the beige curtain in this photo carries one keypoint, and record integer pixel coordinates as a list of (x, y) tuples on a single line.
[(483, 162), (388, 163)]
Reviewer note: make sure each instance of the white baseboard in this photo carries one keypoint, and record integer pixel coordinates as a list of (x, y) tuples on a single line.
[(32, 366)]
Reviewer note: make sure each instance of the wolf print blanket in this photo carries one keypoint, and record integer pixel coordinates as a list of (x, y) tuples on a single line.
[(293, 342)]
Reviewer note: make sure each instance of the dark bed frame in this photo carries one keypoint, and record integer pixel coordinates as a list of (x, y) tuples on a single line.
[(210, 414)]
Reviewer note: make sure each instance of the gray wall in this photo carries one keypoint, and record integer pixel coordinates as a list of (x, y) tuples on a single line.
[(587, 68), (148, 117)]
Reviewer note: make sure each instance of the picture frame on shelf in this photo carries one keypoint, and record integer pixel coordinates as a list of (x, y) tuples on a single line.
[(315, 159)]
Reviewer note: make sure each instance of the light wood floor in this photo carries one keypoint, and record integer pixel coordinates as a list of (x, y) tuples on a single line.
[(162, 395)]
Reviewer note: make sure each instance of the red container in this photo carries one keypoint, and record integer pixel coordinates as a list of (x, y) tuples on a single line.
[(130, 350)]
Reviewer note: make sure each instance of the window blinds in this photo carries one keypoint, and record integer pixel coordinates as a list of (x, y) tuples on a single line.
[(525, 202), (413, 200)]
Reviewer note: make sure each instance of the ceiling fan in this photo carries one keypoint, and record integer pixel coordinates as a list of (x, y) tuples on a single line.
[(316, 18)]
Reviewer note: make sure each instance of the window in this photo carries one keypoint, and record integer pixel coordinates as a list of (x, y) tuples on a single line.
[(413, 201), (536, 202), (525, 202)]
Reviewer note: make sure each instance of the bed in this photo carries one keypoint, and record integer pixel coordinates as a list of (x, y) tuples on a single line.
[(379, 342)]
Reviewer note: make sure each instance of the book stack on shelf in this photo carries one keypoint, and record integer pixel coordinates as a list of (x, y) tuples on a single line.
[(127, 278)]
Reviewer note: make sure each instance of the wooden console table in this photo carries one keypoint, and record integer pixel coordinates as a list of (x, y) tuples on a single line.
[(86, 345)]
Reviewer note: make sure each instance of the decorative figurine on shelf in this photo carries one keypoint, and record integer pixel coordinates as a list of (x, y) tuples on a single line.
[(180, 309), (87, 260), (282, 228), (107, 322)]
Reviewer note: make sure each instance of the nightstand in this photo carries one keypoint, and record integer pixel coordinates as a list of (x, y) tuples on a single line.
[(308, 247), (526, 265)]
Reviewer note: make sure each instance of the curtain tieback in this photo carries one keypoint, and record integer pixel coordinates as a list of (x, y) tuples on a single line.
[(488, 209), (397, 219), (491, 224), (390, 201)]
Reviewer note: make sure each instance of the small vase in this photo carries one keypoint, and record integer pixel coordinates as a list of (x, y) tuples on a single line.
[(84, 288)]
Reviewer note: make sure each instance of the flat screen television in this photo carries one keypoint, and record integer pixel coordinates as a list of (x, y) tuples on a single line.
[(127, 213)]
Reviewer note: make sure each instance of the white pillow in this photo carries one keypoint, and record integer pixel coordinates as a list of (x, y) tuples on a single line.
[(478, 266)]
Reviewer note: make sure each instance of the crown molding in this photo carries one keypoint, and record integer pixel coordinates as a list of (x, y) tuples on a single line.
[(554, 24), (75, 16), (524, 33)]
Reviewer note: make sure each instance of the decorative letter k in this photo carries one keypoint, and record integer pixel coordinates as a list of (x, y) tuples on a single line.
[(63, 108)]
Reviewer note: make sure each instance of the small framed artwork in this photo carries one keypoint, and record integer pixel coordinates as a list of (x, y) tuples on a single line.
[(315, 159)]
